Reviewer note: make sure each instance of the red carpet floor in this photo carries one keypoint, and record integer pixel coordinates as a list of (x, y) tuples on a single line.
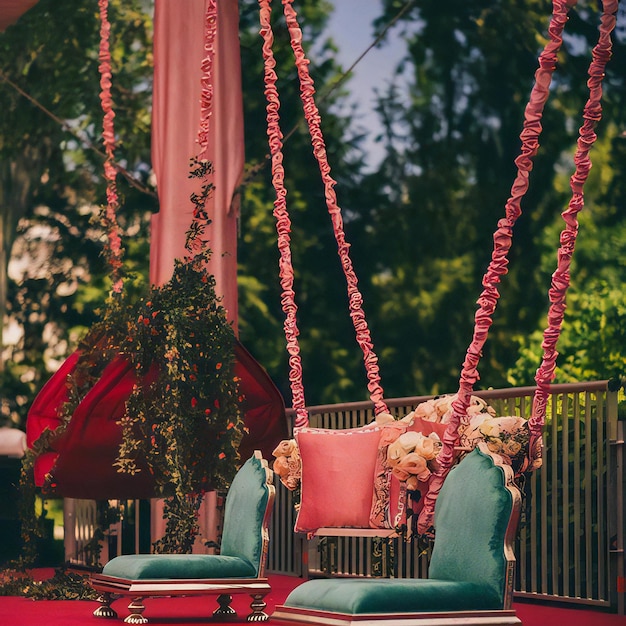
[(195, 611)]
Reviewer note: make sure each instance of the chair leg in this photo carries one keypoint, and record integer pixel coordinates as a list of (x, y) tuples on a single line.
[(224, 611), (105, 610), (136, 608), (257, 605)]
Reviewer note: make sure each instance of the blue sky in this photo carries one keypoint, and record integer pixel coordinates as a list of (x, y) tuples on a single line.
[(351, 28)]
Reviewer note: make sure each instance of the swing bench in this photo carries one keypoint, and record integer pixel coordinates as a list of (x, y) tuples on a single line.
[(472, 504)]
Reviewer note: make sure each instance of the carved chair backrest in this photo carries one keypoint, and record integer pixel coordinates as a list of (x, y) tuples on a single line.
[(476, 520), (247, 512)]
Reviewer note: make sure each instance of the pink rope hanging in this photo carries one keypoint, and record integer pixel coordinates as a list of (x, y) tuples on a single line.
[(561, 277), (311, 112), (283, 222), (502, 243), (206, 94), (196, 241), (113, 248)]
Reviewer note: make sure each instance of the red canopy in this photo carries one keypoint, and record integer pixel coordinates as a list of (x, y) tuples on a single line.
[(80, 464), (10, 11)]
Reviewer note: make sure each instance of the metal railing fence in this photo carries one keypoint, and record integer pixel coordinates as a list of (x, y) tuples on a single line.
[(570, 545), (571, 541)]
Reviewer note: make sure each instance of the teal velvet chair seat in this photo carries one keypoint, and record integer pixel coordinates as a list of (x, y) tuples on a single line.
[(146, 567), (388, 595), (470, 579), (239, 568)]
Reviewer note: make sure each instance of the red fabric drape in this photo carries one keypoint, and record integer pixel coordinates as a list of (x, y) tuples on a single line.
[(80, 464), (178, 53)]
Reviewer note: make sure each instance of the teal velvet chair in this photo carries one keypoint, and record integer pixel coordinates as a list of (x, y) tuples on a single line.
[(238, 568), (470, 578)]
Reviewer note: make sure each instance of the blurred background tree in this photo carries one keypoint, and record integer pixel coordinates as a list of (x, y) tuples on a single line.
[(452, 117), (51, 180), (420, 222)]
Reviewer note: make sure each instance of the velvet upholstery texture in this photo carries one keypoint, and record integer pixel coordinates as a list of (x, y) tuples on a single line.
[(242, 536), (242, 542), (367, 595), (471, 519), (178, 566)]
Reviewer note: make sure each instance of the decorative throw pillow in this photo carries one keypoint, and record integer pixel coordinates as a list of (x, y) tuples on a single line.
[(389, 503), (380, 515), (337, 471)]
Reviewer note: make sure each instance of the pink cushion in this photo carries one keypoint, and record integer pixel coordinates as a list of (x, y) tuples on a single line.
[(337, 477)]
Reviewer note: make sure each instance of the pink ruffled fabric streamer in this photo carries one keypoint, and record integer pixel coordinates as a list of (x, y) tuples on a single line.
[(206, 97), (283, 226), (197, 241), (311, 113), (113, 247), (502, 243), (283, 222), (592, 114)]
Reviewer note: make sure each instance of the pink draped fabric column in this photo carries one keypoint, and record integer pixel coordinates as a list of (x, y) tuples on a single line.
[(178, 53)]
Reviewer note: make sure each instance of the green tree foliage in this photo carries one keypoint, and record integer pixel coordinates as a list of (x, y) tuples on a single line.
[(51, 177), (420, 225), (53, 302), (591, 345), (452, 116)]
